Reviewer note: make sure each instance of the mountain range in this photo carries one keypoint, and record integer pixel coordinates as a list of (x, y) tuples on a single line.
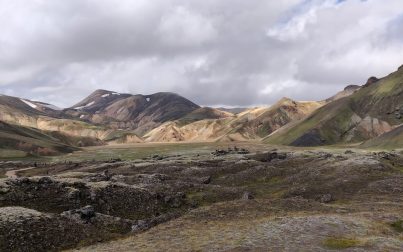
[(369, 114)]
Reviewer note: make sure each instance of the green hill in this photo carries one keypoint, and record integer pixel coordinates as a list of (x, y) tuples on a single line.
[(390, 140), (30, 141), (368, 113)]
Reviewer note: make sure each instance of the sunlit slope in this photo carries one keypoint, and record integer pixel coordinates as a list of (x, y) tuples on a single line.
[(32, 141), (252, 124), (369, 112)]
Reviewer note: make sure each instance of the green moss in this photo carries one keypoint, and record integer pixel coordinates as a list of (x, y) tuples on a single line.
[(397, 226), (334, 119), (74, 125), (289, 136), (7, 153), (390, 85), (340, 243)]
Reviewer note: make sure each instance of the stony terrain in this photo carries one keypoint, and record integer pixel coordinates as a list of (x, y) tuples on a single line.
[(245, 198)]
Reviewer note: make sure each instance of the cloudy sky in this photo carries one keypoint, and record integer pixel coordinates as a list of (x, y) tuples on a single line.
[(214, 52)]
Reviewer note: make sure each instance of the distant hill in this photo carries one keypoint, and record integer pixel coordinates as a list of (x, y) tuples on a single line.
[(233, 110), (368, 112), (55, 122), (204, 113), (140, 113), (31, 141), (252, 124)]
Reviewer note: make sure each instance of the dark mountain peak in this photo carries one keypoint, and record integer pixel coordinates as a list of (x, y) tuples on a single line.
[(135, 112), (165, 94), (371, 81), (101, 91), (165, 98), (98, 99)]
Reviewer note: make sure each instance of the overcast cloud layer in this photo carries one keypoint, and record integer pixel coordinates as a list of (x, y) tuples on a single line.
[(214, 52)]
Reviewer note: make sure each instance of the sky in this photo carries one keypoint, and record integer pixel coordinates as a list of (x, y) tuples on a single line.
[(213, 52)]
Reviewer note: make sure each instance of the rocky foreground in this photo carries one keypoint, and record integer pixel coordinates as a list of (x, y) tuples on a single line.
[(229, 200)]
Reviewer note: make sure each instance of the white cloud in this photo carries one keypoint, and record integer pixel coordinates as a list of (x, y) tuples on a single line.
[(230, 52), (182, 27)]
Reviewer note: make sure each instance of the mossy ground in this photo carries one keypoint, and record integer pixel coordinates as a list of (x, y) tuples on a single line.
[(286, 209), (341, 243), (397, 226)]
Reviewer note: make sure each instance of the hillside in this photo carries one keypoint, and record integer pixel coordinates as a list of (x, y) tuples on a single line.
[(48, 118), (140, 113), (252, 124), (347, 91), (204, 113), (369, 112), (233, 110), (258, 123), (390, 140), (31, 141)]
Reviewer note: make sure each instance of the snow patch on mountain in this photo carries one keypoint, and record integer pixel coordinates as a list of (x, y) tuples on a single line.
[(29, 103), (50, 106), (89, 104)]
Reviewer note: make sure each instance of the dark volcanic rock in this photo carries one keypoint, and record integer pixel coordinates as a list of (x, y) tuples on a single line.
[(117, 199), (326, 198), (269, 156), (87, 212), (311, 138), (371, 81), (23, 229)]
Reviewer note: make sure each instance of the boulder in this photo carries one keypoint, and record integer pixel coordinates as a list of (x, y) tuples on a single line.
[(269, 156), (87, 213), (247, 196), (206, 180), (326, 198)]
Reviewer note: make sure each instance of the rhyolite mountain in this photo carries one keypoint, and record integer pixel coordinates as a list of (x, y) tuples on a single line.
[(140, 113), (233, 110), (252, 124), (55, 123), (20, 141), (347, 91), (374, 109), (370, 115)]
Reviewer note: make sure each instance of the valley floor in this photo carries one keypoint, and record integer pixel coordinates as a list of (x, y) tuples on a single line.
[(204, 197)]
